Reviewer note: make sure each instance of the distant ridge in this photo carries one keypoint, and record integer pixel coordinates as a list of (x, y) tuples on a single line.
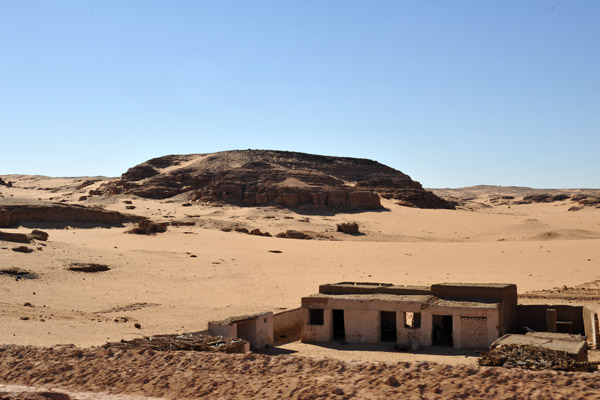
[(268, 177)]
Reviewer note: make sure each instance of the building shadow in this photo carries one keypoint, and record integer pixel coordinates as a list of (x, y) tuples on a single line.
[(396, 348), (275, 351)]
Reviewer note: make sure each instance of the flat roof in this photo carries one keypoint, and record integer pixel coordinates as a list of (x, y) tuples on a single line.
[(469, 303), (239, 319), (477, 285), (352, 283), (412, 298), (452, 284), (423, 299), (447, 289)]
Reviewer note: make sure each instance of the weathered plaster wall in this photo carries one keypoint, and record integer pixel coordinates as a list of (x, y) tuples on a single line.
[(386, 288), (264, 330), (225, 330), (362, 322), (473, 332), (590, 322), (362, 326), (505, 293), (316, 333), (248, 330), (413, 336), (491, 327), (473, 291), (257, 330), (287, 323)]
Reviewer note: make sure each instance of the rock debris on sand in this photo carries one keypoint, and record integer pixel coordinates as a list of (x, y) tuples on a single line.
[(189, 375)]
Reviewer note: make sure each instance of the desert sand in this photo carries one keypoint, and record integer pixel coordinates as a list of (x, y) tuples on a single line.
[(188, 375), (179, 280)]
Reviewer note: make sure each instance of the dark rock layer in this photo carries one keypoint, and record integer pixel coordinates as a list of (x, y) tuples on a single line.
[(14, 215), (5, 183), (23, 237)]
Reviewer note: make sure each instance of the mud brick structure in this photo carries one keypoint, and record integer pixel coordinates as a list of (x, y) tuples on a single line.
[(459, 315), (257, 329)]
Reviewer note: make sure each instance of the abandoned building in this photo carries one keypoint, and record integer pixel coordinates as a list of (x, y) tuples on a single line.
[(458, 315), (257, 329)]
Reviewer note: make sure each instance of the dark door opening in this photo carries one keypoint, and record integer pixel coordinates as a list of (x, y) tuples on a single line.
[(441, 334), (388, 326), (339, 332)]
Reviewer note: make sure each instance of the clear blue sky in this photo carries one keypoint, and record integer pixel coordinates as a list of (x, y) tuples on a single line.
[(454, 93)]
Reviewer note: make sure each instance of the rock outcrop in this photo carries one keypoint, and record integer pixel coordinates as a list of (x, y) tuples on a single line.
[(292, 234), (15, 215), (350, 228), (23, 237), (149, 228), (279, 178), (22, 249), (5, 183), (543, 198)]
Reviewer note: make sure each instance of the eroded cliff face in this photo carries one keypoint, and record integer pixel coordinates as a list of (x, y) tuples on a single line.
[(58, 213), (264, 177)]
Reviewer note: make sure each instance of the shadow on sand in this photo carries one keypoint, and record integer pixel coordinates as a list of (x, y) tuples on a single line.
[(275, 351), (329, 212), (394, 348)]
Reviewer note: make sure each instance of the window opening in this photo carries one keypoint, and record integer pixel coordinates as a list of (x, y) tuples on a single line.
[(412, 320), (315, 317)]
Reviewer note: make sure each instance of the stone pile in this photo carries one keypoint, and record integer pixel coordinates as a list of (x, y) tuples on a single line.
[(183, 342), (533, 358)]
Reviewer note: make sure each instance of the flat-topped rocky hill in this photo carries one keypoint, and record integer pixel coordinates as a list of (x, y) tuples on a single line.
[(487, 195), (265, 177)]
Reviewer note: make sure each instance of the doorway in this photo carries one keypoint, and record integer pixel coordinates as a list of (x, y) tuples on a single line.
[(441, 334), (388, 326), (339, 332)]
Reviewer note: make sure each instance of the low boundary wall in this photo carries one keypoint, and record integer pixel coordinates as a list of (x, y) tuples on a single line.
[(287, 324)]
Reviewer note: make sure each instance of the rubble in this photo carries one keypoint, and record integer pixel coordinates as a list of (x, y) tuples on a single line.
[(183, 342), (533, 358)]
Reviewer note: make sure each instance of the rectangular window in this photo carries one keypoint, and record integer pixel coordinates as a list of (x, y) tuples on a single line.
[(315, 317), (412, 320)]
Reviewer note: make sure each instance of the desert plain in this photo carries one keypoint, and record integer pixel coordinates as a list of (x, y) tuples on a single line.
[(178, 280)]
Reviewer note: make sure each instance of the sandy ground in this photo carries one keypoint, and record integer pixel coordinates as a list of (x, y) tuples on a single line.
[(187, 375), (179, 280), (20, 392), (155, 281)]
